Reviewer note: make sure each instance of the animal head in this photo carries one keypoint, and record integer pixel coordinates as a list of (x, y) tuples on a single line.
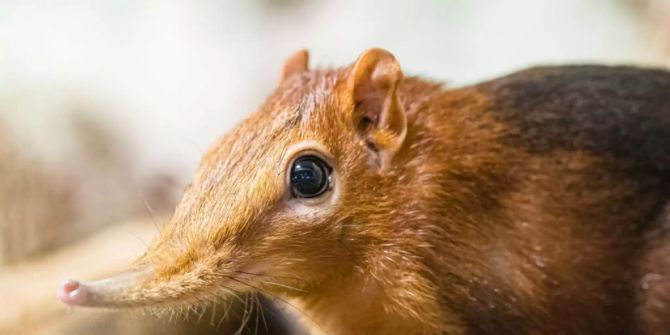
[(286, 202)]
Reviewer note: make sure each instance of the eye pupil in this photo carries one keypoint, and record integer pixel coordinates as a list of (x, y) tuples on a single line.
[(309, 177)]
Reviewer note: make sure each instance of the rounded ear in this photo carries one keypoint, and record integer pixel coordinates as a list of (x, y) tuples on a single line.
[(296, 63), (378, 114)]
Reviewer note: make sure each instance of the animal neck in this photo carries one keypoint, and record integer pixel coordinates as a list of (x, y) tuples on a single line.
[(362, 304)]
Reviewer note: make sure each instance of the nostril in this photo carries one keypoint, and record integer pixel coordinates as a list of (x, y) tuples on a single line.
[(72, 292), (69, 286)]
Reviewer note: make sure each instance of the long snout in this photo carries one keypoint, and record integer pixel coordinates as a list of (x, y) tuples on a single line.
[(125, 290)]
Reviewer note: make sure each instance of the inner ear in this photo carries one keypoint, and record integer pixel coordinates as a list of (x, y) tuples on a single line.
[(369, 101), (378, 114)]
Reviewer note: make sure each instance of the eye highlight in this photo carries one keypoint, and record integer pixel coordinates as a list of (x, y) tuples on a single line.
[(310, 177)]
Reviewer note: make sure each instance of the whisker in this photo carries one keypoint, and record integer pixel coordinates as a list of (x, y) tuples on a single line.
[(265, 275), (231, 292), (225, 314), (246, 316), (260, 309), (211, 318), (149, 210), (203, 307), (272, 282), (284, 301), (134, 235), (258, 306), (283, 285), (188, 313)]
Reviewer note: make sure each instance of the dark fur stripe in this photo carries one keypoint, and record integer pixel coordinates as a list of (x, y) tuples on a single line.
[(621, 113)]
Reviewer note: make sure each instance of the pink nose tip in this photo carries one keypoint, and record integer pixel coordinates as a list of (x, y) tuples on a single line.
[(72, 293)]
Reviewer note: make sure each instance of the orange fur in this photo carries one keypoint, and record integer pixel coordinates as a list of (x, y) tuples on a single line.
[(462, 231)]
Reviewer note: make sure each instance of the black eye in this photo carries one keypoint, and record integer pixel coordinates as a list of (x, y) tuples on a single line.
[(309, 177)]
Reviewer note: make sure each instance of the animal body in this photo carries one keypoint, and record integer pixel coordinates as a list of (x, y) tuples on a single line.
[(535, 203)]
